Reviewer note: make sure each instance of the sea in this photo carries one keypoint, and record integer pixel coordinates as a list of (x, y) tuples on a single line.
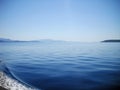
[(62, 65)]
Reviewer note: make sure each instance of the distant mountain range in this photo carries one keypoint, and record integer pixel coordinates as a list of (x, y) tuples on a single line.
[(50, 40), (5, 40), (8, 40), (42, 40)]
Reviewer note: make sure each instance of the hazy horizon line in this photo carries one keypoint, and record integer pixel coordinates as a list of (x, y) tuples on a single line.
[(55, 39)]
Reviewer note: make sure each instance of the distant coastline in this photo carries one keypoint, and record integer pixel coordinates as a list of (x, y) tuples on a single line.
[(41, 40), (7, 40), (50, 40), (111, 41)]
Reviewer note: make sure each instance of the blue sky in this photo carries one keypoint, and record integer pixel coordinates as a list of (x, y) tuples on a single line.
[(73, 20)]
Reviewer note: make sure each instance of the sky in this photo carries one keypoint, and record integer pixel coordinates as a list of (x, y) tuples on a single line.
[(70, 20)]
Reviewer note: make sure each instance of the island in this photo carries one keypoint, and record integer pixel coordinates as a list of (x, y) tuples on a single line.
[(112, 40)]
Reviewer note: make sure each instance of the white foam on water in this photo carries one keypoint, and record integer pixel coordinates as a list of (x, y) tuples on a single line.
[(12, 84)]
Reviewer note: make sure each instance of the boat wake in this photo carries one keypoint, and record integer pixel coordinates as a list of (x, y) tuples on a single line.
[(8, 82)]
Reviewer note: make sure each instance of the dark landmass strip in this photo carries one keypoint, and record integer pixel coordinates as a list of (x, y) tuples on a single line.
[(50, 40), (41, 40), (111, 41), (4, 40)]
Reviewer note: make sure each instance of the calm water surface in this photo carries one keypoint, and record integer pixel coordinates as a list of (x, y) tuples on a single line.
[(64, 65)]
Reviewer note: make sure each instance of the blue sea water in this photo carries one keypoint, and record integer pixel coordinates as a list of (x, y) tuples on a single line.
[(64, 65)]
